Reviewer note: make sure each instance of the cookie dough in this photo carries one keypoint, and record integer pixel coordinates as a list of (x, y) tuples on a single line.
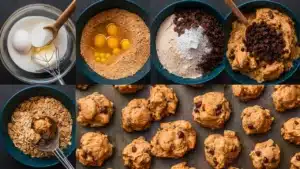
[(252, 64), (95, 110), (94, 149), (173, 139), (266, 155), (211, 110), (128, 89), (290, 130), (220, 151), (256, 119), (182, 165), (247, 92), (295, 161), (136, 116), (286, 97), (162, 101), (137, 154)]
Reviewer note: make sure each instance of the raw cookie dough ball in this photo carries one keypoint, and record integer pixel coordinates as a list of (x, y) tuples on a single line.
[(182, 165), (286, 97), (174, 139), (137, 154), (94, 110), (295, 161), (256, 119), (136, 116), (94, 149), (220, 151), (211, 110), (128, 89), (162, 101), (266, 155), (290, 130), (247, 92)]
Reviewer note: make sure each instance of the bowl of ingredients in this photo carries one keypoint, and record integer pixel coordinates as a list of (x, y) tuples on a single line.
[(265, 50), (25, 119), (114, 42), (31, 64), (188, 42)]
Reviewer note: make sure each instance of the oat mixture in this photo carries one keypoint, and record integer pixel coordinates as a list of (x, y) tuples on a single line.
[(21, 131)]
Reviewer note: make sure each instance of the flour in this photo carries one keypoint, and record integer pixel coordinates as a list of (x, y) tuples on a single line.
[(193, 44)]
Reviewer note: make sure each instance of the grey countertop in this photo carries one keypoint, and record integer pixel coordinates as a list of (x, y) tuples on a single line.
[(7, 91), (7, 7), (153, 7)]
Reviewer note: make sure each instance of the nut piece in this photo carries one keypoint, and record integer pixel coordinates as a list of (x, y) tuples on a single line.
[(220, 151), (295, 161), (95, 110), (211, 110), (173, 139), (128, 89), (136, 155), (290, 130), (136, 116), (247, 92), (256, 120), (265, 155), (286, 97), (162, 101), (94, 149), (182, 165)]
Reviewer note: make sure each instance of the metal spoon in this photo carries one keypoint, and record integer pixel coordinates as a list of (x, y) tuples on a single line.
[(237, 11), (52, 145), (54, 28)]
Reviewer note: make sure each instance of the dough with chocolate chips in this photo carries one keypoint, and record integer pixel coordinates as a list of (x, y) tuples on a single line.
[(95, 110), (265, 155), (136, 116), (173, 139), (286, 97), (211, 110), (295, 161), (247, 92), (256, 119), (94, 149), (290, 130), (128, 89), (221, 151), (162, 101), (137, 154), (182, 165)]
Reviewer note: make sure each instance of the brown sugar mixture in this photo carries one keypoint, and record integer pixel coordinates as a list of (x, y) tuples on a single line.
[(115, 43)]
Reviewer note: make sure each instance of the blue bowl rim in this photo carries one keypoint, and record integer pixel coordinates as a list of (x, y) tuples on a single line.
[(296, 62), (15, 95), (178, 79), (95, 77)]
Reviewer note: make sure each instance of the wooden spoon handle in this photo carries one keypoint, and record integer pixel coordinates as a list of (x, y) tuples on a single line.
[(236, 11), (65, 15)]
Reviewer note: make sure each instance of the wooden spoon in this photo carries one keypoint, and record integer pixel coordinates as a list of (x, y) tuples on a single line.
[(61, 20), (237, 12)]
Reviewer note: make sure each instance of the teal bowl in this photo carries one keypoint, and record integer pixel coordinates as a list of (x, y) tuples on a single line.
[(9, 108), (251, 7), (169, 10), (85, 16)]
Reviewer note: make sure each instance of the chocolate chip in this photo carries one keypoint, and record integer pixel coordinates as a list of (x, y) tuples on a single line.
[(212, 152), (298, 157), (103, 110), (250, 126), (133, 149), (215, 161), (196, 110), (296, 122), (243, 49), (198, 104), (258, 153), (266, 160), (180, 134), (270, 13)]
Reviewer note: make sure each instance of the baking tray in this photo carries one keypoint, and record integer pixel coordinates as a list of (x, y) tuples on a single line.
[(119, 138)]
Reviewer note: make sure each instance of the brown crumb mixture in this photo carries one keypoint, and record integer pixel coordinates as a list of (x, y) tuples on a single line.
[(22, 131)]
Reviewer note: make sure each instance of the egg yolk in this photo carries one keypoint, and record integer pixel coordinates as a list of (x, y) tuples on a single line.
[(125, 44), (99, 40), (98, 59), (112, 42), (112, 29)]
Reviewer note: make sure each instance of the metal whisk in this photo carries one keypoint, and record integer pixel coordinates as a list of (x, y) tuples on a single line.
[(52, 69)]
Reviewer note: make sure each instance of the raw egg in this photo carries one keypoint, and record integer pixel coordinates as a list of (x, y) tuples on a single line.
[(99, 40)]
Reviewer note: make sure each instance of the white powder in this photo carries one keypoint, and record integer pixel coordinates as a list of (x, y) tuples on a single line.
[(193, 44)]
